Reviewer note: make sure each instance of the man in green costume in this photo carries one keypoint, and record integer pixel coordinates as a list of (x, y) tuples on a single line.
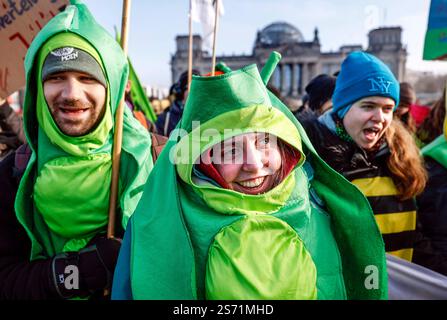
[(282, 226), (55, 197)]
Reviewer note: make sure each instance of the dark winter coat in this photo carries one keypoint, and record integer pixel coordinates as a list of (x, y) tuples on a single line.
[(167, 121)]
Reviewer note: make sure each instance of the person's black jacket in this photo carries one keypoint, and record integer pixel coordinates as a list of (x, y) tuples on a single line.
[(432, 205), (305, 115), (167, 121), (22, 279), (11, 130), (19, 278)]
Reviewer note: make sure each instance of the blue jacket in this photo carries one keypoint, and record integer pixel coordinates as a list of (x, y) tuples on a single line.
[(167, 121)]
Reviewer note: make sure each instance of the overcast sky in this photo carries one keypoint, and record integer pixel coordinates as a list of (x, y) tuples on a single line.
[(155, 24)]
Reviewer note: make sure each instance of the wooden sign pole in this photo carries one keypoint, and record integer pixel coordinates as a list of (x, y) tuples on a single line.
[(118, 136), (190, 47), (216, 24)]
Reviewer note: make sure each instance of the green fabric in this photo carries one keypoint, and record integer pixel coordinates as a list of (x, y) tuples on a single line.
[(437, 150), (203, 224), (78, 146), (253, 119), (137, 92), (435, 47), (243, 88), (139, 97), (79, 173), (88, 174), (231, 202), (70, 177), (180, 240), (260, 257)]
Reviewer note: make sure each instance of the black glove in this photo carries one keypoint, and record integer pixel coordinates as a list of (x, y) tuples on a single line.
[(88, 271)]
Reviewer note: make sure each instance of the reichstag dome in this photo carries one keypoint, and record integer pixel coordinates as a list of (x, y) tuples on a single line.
[(278, 34)]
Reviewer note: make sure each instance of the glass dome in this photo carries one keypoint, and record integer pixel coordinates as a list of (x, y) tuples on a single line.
[(279, 33)]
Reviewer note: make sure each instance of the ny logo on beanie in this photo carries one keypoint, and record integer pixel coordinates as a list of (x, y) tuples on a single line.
[(363, 75), (379, 84)]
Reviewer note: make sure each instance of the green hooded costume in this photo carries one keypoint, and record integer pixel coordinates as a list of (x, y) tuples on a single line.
[(62, 200), (437, 150), (191, 239)]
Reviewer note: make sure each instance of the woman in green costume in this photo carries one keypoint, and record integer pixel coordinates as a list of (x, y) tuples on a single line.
[(245, 208)]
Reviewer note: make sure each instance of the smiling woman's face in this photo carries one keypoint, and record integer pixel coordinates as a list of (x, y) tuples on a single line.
[(249, 163), (367, 120)]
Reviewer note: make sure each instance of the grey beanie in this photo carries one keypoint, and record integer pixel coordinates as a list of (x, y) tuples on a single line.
[(72, 59)]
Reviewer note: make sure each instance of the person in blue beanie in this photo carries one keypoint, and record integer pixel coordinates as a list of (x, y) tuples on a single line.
[(360, 140)]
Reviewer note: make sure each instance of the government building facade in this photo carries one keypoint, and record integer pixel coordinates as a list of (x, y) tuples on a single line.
[(301, 60)]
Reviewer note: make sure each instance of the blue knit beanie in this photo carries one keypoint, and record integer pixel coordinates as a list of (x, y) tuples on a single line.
[(363, 75)]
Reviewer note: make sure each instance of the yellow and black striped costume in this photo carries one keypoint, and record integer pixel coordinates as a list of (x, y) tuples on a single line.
[(396, 219)]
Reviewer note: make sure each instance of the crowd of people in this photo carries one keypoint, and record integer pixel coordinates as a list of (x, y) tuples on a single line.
[(228, 195)]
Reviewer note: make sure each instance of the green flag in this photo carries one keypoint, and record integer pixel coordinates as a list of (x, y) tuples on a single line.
[(139, 97), (436, 37), (137, 93)]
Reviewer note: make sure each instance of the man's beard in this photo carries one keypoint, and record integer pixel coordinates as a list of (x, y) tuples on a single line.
[(76, 127)]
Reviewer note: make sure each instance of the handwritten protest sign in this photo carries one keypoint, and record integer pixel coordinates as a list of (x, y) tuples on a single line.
[(20, 21)]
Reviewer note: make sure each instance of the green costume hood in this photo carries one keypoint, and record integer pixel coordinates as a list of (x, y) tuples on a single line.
[(437, 150), (180, 227), (68, 178)]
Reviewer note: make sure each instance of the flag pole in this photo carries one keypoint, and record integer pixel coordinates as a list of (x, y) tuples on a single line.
[(216, 23), (118, 135), (190, 47)]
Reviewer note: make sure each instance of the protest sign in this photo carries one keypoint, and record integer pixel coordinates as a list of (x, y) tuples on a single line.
[(435, 47), (20, 21)]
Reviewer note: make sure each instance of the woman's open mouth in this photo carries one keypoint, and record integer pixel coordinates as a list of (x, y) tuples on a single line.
[(253, 183), (371, 133)]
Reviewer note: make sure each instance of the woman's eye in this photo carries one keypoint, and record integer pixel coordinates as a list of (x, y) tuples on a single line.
[(227, 150), (231, 152), (228, 156), (264, 141)]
